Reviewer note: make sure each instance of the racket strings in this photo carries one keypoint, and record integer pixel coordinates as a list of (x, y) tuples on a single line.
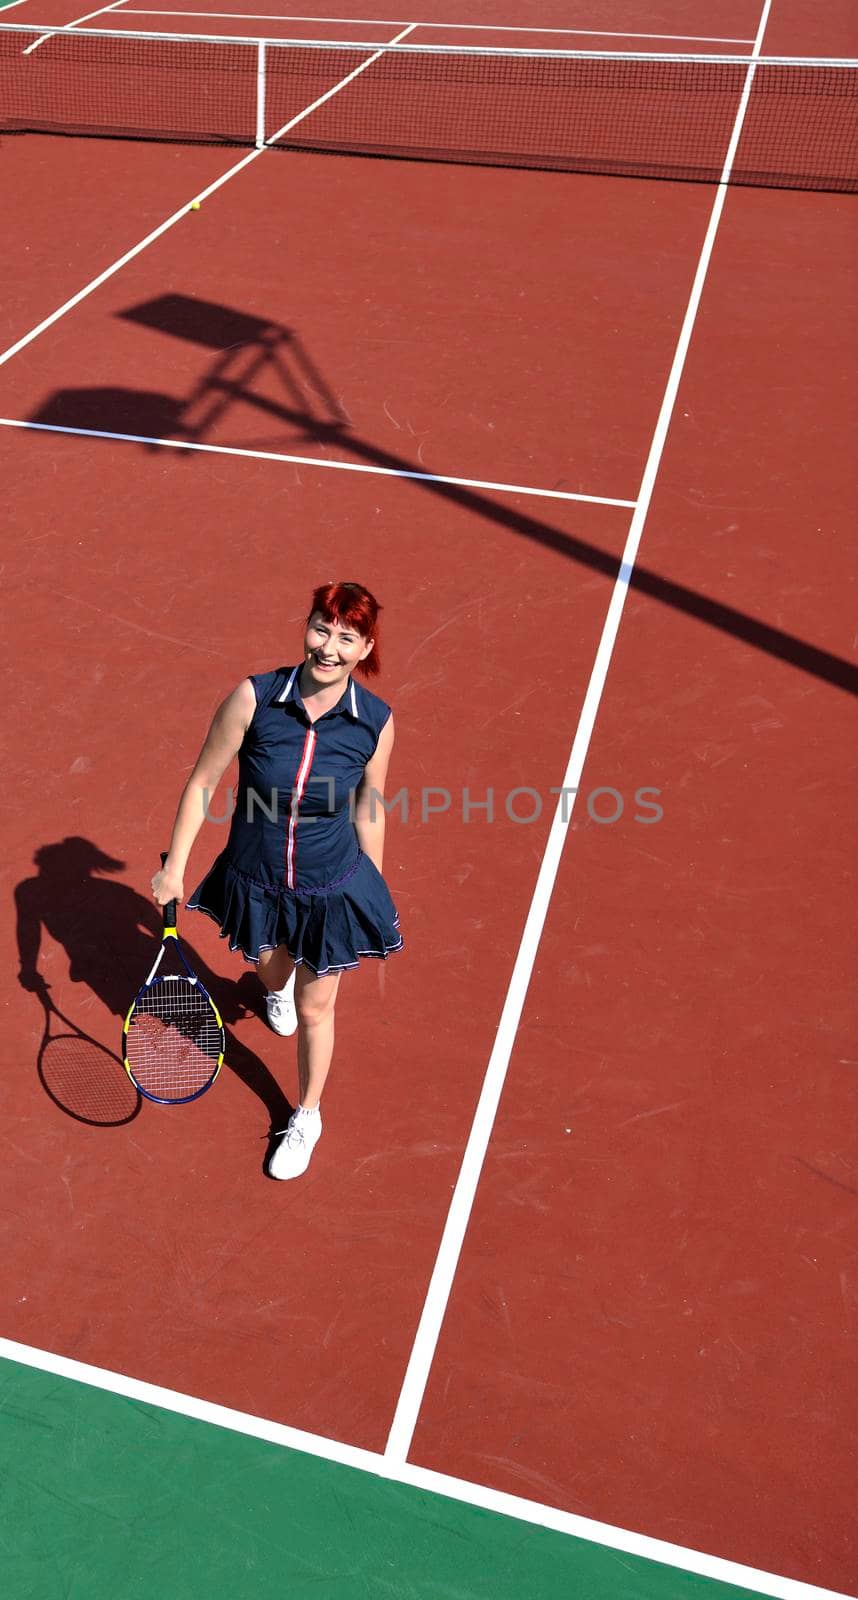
[(175, 1040)]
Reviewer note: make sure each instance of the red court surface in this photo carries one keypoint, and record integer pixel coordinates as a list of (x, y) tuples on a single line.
[(652, 1321), (727, 19), (397, 1044), (689, 1243), (796, 27), (379, 349), (279, 25)]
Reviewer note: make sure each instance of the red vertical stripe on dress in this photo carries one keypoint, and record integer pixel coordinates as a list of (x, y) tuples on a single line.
[(303, 773)]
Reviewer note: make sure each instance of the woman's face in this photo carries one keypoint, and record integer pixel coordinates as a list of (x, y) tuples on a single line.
[(332, 650)]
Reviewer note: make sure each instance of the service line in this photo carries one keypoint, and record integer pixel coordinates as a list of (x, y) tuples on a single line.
[(310, 461)]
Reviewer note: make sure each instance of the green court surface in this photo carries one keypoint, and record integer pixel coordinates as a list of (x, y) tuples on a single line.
[(106, 1497)]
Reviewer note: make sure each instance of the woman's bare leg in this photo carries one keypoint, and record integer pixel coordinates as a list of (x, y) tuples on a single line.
[(315, 999), (275, 968)]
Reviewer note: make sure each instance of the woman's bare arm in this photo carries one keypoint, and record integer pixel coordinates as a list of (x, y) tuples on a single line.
[(222, 744), (370, 815)]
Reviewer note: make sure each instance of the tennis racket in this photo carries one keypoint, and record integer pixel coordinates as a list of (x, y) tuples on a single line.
[(172, 1039)]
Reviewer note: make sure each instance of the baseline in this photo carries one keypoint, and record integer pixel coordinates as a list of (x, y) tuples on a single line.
[(465, 27), (457, 1489)]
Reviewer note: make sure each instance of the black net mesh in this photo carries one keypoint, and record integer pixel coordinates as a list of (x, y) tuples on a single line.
[(186, 90), (644, 116)]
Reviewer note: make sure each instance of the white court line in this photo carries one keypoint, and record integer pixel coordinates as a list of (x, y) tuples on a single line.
[(438, 1294), (458, 1489), (312, 461), (116, 266), (389, 1467), (471, 27), (64, 28)]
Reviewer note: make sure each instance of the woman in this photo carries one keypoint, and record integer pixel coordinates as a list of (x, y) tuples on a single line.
[(298, 888)]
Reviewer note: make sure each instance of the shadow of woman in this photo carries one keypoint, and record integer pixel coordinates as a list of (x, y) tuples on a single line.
[(110, 934)]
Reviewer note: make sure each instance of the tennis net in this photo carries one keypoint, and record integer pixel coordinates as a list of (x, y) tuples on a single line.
[(665, 116)]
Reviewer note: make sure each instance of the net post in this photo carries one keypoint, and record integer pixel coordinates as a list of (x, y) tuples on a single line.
[(260, 93)]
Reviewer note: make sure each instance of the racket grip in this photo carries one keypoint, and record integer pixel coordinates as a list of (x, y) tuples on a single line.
[(170, 907)]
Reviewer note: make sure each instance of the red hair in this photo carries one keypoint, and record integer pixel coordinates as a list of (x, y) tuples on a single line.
[(352, 606)]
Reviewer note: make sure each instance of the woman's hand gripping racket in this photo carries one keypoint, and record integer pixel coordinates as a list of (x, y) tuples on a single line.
[(173, 1038)]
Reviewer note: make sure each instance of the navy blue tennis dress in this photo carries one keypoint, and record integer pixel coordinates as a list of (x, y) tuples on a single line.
[(293, 871)]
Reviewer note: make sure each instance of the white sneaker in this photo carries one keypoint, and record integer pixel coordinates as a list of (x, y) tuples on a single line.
[(297, 1143), (280, 1006)]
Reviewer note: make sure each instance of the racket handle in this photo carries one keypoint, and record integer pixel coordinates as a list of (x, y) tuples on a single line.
[(170, 907)]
